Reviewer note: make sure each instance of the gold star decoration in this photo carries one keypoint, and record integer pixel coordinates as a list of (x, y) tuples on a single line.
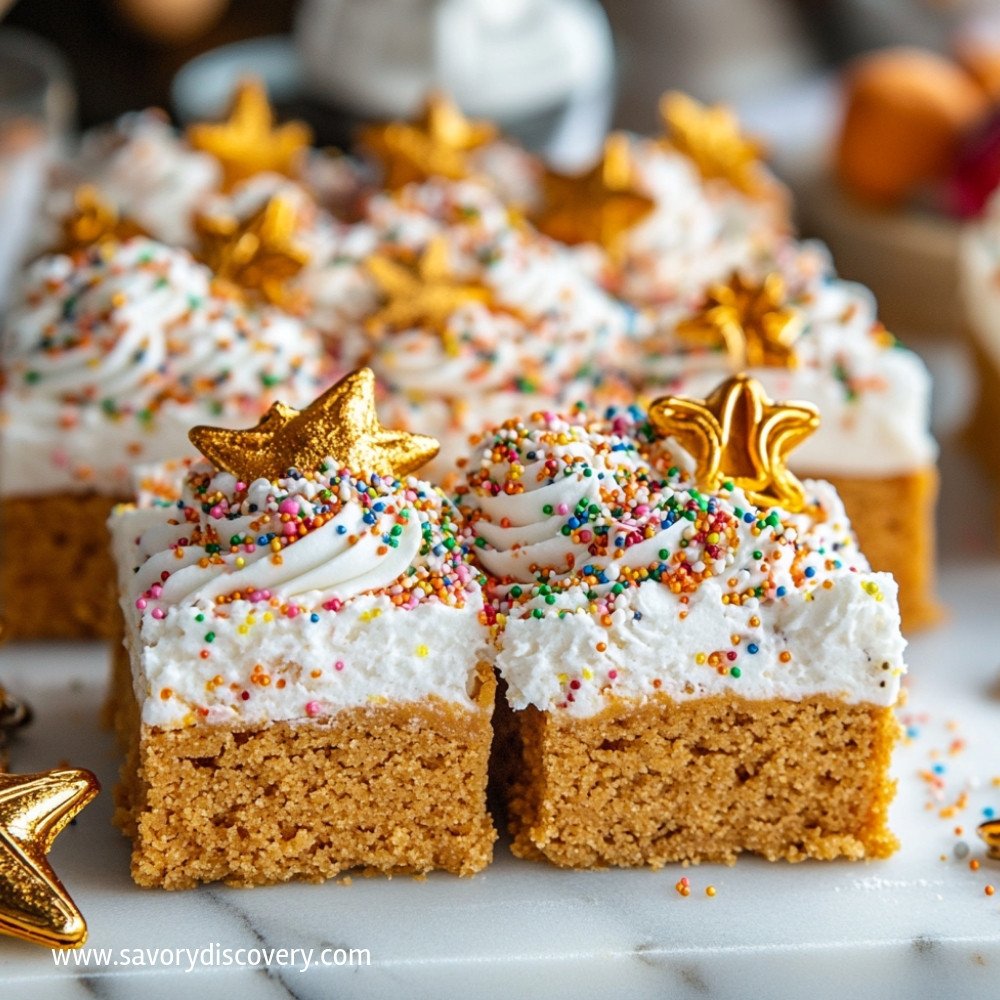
[(711, 138), (989, 832), (750, 320), (34, 808), (259, 254), (738, 434), (597, 206), (425, 295), (93, 221), (341, 425), (247, 142), (437, 144)]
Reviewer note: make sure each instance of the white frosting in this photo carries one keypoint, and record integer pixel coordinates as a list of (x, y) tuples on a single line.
[(111, 357), (697, 232), (145, 170), (873, 395), (224, 627), (614, 580), (979, 275)]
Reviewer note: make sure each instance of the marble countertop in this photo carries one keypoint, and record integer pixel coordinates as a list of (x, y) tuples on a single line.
[(917, 925)]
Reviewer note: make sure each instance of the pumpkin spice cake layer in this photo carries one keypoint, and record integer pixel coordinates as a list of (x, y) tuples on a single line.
[(672, 640), (315, 637)]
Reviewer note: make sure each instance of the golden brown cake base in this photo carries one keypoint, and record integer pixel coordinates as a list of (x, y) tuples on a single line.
[(703, 780), (57, 577), (893, 518), (398, 788)]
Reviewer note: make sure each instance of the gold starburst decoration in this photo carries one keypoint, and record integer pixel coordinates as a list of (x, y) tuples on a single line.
[(437, 144), (597, 206), (425, 295), (711, 138), (93, 221), (989, 832), (750, 321), (247, 142), (259, 254), (341, 425), (738, 434), (34, 808)]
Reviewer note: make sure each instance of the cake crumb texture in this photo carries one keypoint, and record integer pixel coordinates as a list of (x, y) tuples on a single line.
[(703, 780), (57, 574), (391, 788), (893, 519)]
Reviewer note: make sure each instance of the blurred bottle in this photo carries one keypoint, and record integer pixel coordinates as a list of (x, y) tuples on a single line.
[(37, 105), (541, 69)]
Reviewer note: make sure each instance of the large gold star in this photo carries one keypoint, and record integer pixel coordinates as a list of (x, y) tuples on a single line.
[(738, 434), (711, 138), (437, 144), (425, 295), (247, 143), (34, 808), (990, 834), (341, 425), (94, 220), (597, 206), (259, 253), (750, 320)]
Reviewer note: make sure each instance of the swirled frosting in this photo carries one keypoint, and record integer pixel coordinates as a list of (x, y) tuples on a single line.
[(613, 577), (296, 597), (697, 232), (110, 356), (873, 393)]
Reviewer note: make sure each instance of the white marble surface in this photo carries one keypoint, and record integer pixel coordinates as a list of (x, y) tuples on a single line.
[(913, 926)]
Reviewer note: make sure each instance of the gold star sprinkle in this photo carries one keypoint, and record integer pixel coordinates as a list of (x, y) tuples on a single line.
[(341, 425), (34, 808), (437, 144), (259, 254), (425, 295), (93, 221), (750, 321), (597, 206), (247, 142), (989, 832), (738, 434), (711, 138)]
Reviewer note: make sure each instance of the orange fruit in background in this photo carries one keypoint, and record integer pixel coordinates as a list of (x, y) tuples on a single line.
[(172, 22), (905, 112)]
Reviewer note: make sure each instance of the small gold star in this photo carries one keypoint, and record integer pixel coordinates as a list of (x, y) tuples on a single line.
[(597, 206), (93, 221), (738, 434), (259, 253), (990, 834), (750, 321), (34, 808), (711, 138), (426, 295), (341, 425), (437, 144), (247, 143)]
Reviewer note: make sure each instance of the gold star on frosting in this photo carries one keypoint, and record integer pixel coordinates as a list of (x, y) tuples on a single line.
[(260, 253), (341, 425), (34, 808), (738, 434), (990, 834), (597, 206), (711, 138), (437, 144), (95, 220), (425, 295), (247, 142), (750, 321)]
